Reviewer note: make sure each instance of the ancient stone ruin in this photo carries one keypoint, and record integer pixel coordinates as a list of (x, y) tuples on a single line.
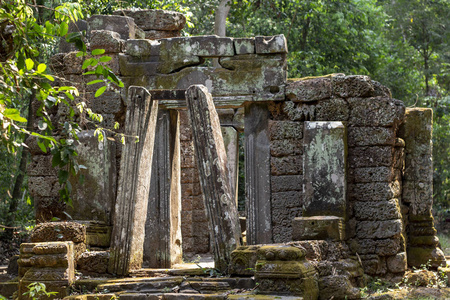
[(338, 174)]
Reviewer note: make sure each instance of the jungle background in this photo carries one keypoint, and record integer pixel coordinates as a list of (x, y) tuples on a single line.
[(404, 44)]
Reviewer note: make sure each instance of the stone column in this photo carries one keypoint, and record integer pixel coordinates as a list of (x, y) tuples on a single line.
[(231, 141), (162, 246), (257, 174), (214, 180), (422, 244), (134, 183)]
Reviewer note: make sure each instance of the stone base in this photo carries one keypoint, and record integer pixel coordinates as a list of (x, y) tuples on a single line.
[(418, 256), (318, 228), (284, 270)]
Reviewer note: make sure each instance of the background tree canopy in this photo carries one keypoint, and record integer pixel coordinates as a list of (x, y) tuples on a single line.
[(404, 44)]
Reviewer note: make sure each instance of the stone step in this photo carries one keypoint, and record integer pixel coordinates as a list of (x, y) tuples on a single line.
[(150, 285), (8, 288), (180, 296)]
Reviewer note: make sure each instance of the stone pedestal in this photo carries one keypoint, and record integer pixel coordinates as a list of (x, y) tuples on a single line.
[(284, 270), (49, 263)]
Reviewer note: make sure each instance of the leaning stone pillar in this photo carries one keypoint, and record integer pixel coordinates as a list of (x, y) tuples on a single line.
[(257, 174), (127, 238), (422, 243), (162, 246), (214, 180)]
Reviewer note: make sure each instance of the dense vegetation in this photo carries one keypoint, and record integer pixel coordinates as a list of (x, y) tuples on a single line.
[(404, 44)]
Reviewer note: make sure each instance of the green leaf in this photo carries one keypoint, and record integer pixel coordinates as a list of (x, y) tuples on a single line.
[(29, 63), (41, 68), (86, 63), (104, 59), (49, 77), (69, 95), (100, 91), (42, 146), (63, 29), (98, 51), (56, 160), (13, 114), (94, 81), (63, 175)]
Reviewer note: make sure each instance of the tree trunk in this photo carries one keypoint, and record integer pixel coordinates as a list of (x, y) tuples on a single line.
[(220, 22), (16, 194)]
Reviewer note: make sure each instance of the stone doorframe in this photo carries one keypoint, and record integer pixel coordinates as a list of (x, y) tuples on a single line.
[(127, 245)]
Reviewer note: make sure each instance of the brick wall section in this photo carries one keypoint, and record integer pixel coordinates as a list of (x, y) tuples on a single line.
[(286, 176), (194, 222), (374, 226)]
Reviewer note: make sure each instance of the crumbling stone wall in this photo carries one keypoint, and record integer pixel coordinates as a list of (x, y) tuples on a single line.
[(374, 221), (251, 77)]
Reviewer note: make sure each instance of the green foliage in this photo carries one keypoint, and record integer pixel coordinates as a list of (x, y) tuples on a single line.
[(37, 290)]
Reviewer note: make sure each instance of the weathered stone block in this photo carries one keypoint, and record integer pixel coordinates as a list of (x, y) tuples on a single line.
[(324, 169), (142, 48), (41, 165), (161, 34), (335, 109), (287, 199), (280, 148), (427, 240), (155, 19), (374, 174), (352, 86), (244, 45), (280, 130), (318, 228), (307, 90), (337, 287), (286, 183), (288, 165), (124, 26), (110, 102), (371, 136), (271, 44), (375, 156), (380, 90), (243, 260), (375, 111), (110, 41), (397, 263), (373, 264), (381, 247), (418, 256), (58, 231), (377, 211), (379, 229), (374, 191), (93, 262)]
